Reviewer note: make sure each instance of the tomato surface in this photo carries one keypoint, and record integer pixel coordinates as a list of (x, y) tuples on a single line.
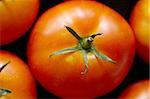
[(61, 74), (16, 17), (16, 78), (139, 21), (139, 90)]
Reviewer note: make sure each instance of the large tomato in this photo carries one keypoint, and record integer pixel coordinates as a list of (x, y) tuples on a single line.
[(139, 90), (16, 78), (16, 16), (139, 21), (60, 73)]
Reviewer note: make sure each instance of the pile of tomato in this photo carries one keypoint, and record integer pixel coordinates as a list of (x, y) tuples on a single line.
[(74, 49)]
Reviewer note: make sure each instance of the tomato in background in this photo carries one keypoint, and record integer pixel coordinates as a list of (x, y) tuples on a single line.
[(139, 90), (61, 74), (16, 78), (139, 21), (16, 17)]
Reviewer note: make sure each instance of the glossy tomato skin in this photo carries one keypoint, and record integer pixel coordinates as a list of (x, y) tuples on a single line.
[(16, 17), (139, 90), (61, 74), (139, 21), (16, 77)]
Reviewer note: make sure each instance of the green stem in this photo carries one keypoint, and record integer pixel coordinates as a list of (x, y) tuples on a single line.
[(85, 46), (73, 33), (84, 53), (101, 56), (87, 41), (94, 35), (64, 51)]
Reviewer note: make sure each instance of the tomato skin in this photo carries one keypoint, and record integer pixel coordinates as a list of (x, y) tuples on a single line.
[(139, 19), (61, 74), (16, 77), (16, 17), (139, 90)]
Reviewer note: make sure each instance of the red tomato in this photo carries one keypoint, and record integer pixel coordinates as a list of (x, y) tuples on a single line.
[(140, 90), (139, 21), (16, 17), (61, 74), (16, 78)]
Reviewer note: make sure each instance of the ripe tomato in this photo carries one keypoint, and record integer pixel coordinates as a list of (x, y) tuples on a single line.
[(140, 90), (61, 74), (16, 78), (139, 21), (16, 16)]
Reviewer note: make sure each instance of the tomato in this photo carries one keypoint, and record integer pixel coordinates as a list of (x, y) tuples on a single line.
[(80, 71), (16, 78), (139, 90), (139, 19), (16, 17)]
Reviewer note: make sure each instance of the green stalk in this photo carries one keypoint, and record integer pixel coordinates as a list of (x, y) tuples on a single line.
[(86, 46)]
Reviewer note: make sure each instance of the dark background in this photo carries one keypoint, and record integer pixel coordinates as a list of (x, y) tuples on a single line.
[(139, 70)]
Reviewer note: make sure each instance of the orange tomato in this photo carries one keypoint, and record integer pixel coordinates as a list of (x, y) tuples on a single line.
[(16, 17), (16, 78), (139, 90), (139, 21), (61, 74)]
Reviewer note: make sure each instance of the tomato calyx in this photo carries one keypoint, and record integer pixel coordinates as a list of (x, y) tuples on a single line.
[(86, 46), (2, 90)]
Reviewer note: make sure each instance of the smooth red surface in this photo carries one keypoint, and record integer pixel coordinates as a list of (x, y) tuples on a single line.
[(139, 21), (16, 77), (139, 90), (16, 17), (61, 74)]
